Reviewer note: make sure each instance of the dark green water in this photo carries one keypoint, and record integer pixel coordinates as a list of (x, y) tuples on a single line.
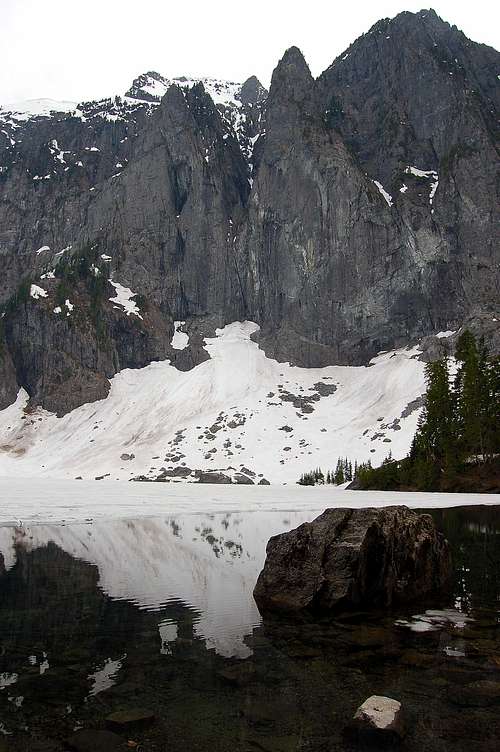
[(70, 654)]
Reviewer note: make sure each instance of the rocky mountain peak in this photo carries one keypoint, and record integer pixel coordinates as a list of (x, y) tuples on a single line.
[(293, 65), (344, 215), (252, 92), (292, 81), (202, 107), (148, 87), (173, 99), (425, 119), (424, 20), (421, 34), (151, 87)]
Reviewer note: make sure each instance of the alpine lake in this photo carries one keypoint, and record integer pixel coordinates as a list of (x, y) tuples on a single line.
[(144, 634)]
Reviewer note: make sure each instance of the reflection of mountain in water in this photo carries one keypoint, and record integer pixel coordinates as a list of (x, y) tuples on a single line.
[(63, 640), (209, 562), (126, 616)]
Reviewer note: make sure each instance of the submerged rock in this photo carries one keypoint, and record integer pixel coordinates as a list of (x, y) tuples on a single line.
[(478, 694), (349, 559), (92, 740), (380, 718), (130, 719)]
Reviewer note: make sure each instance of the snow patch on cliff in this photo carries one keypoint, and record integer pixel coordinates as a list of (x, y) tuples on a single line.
[(383, 192), (180, 340), (124, 299), (444, 335), (37, 292), (429, 174)]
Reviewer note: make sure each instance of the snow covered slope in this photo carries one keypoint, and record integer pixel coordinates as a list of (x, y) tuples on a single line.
[(239, 105), (152, 86), (36, 108), (146, 89), (239, 413)]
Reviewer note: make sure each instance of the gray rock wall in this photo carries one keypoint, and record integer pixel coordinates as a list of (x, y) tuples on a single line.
[(268, 212)]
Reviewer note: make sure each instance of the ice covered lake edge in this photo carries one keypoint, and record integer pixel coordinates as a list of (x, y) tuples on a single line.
[(40, 501)]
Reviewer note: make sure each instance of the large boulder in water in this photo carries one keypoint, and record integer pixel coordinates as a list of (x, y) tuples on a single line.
[(354, 559)]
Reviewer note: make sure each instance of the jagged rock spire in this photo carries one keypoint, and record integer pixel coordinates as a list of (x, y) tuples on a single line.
[(252, 92)]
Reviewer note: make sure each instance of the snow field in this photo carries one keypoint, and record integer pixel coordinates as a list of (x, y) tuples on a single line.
[(237, 410)]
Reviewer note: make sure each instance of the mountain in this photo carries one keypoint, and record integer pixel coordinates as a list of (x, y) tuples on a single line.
[(345, 215)]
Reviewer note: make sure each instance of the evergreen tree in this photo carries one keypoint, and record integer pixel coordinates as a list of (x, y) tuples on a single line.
[(458, 424), (339, 472), (492, 408), (434, 445), (364, 474), (318, 476), (470, 393), (306, 479)]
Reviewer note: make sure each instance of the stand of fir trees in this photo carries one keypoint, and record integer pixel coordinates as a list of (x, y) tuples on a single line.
[(344, 472), (457, 443)]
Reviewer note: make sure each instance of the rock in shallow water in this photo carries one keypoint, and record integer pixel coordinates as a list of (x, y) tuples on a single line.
[(92, 740), (134, 718), (478, 694), (354, 558), (380, 718)]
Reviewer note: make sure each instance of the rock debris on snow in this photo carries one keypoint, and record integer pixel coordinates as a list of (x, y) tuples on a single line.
[(166, 408)]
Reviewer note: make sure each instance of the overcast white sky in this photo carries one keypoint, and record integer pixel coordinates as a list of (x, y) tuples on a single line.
[(84, 49)]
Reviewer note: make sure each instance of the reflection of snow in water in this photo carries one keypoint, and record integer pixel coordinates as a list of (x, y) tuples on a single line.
[(105, 677), (207, 562), (434, 620), (168, 633), (458, 651), (44, 665), (7, 679)]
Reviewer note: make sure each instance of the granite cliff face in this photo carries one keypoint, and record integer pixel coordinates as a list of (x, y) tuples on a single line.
[(345, 215), (424, 123)]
